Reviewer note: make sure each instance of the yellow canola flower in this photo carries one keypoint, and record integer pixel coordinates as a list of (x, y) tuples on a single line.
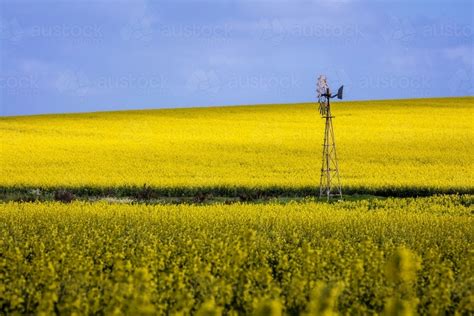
[(420, 143), (410, 256)]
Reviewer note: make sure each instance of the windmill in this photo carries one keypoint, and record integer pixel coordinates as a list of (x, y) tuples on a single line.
[(330, 183)]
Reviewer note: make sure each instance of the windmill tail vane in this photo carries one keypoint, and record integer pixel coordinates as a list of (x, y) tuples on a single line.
[(330, 183)]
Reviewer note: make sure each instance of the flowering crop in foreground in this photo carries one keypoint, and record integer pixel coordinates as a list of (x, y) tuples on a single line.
[(393, 256)]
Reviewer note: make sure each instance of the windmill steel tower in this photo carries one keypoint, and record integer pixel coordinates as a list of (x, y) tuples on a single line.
[(330, 183)]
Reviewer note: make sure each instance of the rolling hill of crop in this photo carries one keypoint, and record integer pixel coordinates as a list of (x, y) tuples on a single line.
[(420, 145)]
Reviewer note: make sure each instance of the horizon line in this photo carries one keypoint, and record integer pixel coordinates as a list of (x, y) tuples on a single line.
[(225, 106)]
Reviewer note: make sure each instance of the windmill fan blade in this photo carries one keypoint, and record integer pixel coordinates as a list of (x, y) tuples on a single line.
[(339, 92)]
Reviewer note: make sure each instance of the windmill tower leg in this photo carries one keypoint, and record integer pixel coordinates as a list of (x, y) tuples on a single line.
[(333, 156), (329, 184)]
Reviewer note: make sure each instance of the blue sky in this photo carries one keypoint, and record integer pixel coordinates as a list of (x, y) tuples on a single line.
[(78, 56)]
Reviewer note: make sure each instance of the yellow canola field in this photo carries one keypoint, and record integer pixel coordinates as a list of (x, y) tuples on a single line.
[(422, 143), (398, 256)]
